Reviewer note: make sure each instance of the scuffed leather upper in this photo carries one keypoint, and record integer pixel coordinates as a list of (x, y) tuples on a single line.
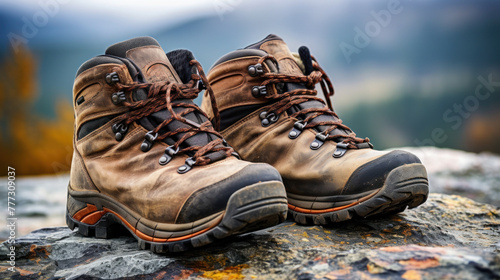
[(304, 171), (121, 171)]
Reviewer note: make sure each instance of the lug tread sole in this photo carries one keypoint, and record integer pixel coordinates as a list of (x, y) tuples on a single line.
[(252, 208), (405, 187)]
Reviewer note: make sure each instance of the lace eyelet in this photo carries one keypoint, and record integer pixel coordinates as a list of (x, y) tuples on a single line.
[(340, 150), (297, 129), (112, 78), (319, 141), (259, 91), (255, 70), (268, 118), (119, 129), (149, 139), (170, 152), (188, 165), (118, 97)]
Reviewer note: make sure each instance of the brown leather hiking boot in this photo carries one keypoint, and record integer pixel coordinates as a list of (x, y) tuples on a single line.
[(270, 113), (147, 158)]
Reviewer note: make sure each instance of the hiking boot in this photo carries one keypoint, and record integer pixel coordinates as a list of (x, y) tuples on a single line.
[(148, 159), (270, 113)]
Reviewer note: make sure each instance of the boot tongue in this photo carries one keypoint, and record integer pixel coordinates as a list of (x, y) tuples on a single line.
[(150, 59), (276, 47), (148, 56)]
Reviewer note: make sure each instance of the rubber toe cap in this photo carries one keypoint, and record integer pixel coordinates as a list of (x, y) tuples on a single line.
[(372, 175), (212, 199)]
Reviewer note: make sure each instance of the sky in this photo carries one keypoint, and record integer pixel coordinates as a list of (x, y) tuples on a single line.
[(104, 18), (155, 10)]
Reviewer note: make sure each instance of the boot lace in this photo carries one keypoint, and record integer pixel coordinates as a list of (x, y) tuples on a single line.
[(284, 101), (161, 95)]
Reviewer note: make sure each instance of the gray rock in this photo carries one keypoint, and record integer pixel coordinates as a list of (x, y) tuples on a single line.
[(475, 176), (41, 201), (448, 237)]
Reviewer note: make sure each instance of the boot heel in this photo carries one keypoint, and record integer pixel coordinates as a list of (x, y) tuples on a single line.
[(89, 220), (106, 227), (83, 229)]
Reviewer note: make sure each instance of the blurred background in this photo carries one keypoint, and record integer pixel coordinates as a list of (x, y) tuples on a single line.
[(406, 73)]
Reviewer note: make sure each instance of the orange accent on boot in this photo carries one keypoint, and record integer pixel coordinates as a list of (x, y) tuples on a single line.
[(320, 211), (146, 237), (84, 212), (137, 232), (92, 218), (189, 235), (90, 215)]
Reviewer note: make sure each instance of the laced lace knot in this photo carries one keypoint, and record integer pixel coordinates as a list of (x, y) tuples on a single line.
[(166, 95), (284, 101)]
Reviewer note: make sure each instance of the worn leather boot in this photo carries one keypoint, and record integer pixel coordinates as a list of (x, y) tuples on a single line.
[(148, 159), (270, 113)]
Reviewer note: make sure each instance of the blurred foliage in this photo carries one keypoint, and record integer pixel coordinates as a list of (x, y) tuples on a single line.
[(483, 132), (28, 142)]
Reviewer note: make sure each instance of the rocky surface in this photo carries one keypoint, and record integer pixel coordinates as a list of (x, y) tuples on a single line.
[(449, 237), (475, 176), (42, 200)]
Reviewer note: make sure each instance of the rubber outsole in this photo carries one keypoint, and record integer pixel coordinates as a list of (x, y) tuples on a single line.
[(405, 186), (252, 208)]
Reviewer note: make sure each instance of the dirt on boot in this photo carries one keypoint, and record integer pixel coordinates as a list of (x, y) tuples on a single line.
[(269, 113), (148, 160)]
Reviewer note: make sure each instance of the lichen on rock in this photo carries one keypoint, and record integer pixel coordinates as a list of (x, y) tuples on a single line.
[(445, 237)]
